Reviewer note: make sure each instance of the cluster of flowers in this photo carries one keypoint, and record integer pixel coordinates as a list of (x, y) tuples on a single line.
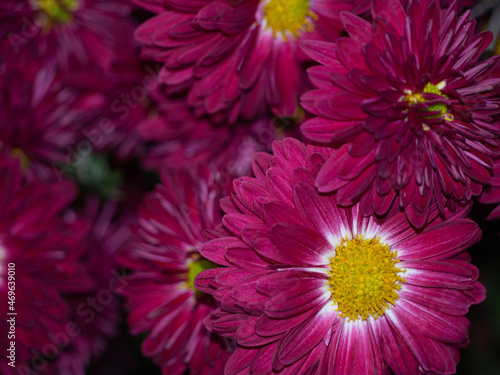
[(317, 162)]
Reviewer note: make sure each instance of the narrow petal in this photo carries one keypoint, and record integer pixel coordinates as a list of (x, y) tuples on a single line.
[(355, 350), (305, 336)]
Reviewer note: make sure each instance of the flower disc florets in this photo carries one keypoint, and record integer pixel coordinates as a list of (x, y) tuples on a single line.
[(364, 279), (196, 265), (57, 10), (289, 17), (438, 110)]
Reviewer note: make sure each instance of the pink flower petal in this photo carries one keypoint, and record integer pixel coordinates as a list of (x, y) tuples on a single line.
[(308, 246), (301, 339), (440, 241), (353, 350)]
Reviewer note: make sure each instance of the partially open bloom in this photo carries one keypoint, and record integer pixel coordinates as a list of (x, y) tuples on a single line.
[(308, 287), (164, 260), (238, 57), (411, 106), (41, 260)]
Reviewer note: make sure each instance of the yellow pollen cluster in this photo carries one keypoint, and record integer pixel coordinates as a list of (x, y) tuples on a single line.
[(58, 10), (364, 279), (197, 265), (18, 153), (289, 17), (413, 98)]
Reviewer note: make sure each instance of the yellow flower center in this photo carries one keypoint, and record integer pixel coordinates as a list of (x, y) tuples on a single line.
[(197, 265), (364, 279), (289, 17), (413, 98), (18, 153), (60, 11)]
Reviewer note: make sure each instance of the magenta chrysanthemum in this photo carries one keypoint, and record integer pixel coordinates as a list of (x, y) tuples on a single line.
[(44, 249), (237, 57), (41, 118), (164, 261), (75, 33), (312, 288), (411, 106)]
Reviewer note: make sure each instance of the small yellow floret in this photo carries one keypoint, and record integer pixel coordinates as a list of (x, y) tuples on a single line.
[(58, 10), (364, 279), (18, 153), (414, 98), (197, 265), (289, 17)]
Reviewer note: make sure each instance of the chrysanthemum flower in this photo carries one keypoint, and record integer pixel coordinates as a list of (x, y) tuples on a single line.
[(45, 252), (411, 106), (239, 57), (164, 260), (312, 288), (75, 33), (42, 119)]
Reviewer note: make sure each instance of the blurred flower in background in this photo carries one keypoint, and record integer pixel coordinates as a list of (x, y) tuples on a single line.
[(164, 260), (42, 117), (48, 256), (75, 33)]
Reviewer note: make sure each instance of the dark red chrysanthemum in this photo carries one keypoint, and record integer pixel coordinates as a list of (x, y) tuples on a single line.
[(74, 33), (237, 58), (309, 287), (42, 119), (411, 107), (164, 260), (44, 252)]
